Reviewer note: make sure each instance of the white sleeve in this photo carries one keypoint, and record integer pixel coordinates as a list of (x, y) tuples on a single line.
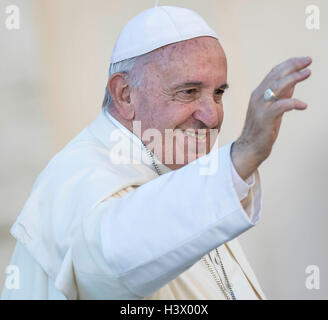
[(241, 186), (165, 226), (248, 193)]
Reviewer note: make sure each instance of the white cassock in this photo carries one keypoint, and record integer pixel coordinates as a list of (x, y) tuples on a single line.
[(95, 229)]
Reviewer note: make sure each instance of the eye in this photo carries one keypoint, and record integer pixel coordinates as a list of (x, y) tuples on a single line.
[(189, 91), (188, 94), (218, 95), (219, 92)]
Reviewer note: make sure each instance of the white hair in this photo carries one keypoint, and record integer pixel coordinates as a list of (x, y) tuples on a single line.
[(124, 66)]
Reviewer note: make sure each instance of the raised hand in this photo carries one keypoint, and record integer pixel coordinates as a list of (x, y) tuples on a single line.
[(263, 118)]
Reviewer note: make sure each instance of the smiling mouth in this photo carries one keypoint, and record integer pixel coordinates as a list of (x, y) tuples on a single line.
[(198, 135)]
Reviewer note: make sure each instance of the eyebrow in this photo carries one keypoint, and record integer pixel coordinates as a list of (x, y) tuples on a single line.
[(197, 84)]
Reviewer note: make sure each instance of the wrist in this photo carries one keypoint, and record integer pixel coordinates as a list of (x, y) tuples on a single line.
[(244, 158)]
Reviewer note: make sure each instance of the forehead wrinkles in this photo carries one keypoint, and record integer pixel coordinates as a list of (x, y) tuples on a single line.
[(184, 49), (159, 63)]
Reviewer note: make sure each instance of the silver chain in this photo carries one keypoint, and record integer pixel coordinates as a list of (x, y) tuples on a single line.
[(217, 279), (225, 276), (229, 294), (154, 164)]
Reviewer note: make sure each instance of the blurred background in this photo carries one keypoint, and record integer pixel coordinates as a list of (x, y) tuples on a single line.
[(53, 72)]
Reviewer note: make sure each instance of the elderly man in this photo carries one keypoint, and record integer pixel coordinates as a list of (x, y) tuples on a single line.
[(141, 204)]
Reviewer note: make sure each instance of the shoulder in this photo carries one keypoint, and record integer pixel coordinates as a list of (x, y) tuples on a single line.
[(84, 171)]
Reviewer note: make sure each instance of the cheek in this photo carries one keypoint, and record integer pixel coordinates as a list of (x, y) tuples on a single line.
[(159, 111), (180, 113), (171, 115), (147, 109)]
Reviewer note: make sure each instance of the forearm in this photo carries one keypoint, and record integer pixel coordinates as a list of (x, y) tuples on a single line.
[(148, 241)]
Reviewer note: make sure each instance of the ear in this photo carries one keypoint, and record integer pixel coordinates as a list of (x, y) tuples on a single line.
[(120, 92)]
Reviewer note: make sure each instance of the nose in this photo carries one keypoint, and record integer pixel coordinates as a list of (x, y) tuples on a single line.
[(209, 112)]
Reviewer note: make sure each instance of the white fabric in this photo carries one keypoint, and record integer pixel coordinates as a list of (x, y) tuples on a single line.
[(157, 27), (85, 243), (34, 283)]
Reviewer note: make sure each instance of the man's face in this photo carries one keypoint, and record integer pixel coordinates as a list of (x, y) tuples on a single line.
[(182, 87)]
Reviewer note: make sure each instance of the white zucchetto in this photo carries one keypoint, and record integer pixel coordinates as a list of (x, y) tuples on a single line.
[(156, 27)]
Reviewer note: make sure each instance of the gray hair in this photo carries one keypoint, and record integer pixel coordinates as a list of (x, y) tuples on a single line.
[(124, 66)]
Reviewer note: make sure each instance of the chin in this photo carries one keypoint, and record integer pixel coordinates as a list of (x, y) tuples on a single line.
[(182, 155)]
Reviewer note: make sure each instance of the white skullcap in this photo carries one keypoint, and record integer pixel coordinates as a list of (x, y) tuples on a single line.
[(157, 27)]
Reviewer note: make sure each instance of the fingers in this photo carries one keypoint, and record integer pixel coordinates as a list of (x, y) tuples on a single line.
[(280, 86), (289, 66), (285, 105)]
